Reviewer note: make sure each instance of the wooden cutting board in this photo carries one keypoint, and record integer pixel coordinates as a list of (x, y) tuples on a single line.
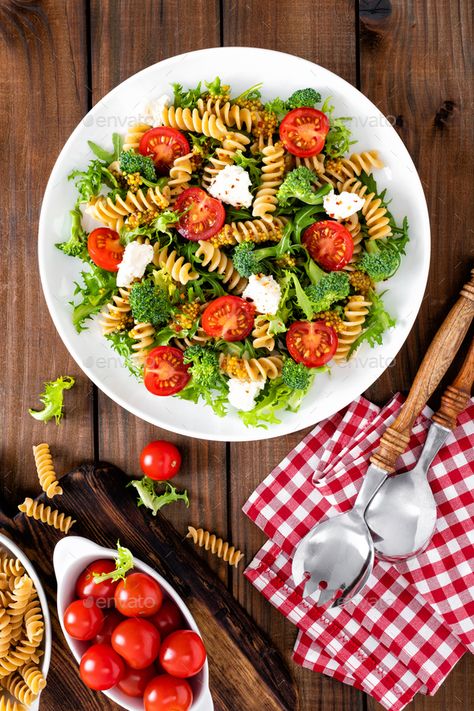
[(246, 671)]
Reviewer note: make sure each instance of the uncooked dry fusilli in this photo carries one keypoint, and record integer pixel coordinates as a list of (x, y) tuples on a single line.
[(261, 337), (217, 546), (21, 594), (251, 368), (10, 705), (33, 620), (355, 313), (265, 202), (186, 120), (134, 135), (144, 335), (113, 213), (17, 687), (11, 566), (45, 469), (216, 261), (34, 677), (230, 114), (224, 155), (45, 514), (115, 316), (179, 269), (5, 631)]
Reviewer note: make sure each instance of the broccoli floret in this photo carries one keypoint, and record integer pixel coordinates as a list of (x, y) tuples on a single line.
[(205, 365), (247, 261), (150, 303), (379, 263), (303, 97), (131, 162), (330, 288), (299, 184), (77, 242), (296, 375)]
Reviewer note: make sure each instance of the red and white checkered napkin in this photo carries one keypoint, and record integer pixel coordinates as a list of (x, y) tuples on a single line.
[(413, 621)]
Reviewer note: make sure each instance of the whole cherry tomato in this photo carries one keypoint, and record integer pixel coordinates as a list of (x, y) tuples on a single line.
[(101, 667), (168, 619), (160, 460), (164, 693), (183, 654), (112, 619), (103, 593), (83, 619), (139, 595), (137, 641), (134, 681)]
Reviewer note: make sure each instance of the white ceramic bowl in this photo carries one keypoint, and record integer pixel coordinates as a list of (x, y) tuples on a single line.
[(71, 556), (15, 552), (281, 74)]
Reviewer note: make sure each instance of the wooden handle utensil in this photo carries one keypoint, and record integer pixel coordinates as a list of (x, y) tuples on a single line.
[(438, 357), (455, 398)]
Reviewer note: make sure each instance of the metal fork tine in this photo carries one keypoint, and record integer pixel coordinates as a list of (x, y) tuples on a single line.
[(311, 587)]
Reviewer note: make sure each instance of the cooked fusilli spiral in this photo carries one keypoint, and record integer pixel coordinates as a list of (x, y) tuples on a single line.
[(45, 468), (17, 687), (250, 231), (366, 161), (179, 269), (113, 213), (33, 677), (265, 201), (314, 163), (261, 337), (34, 624), (375, 214), (355, 312), (116, 314), (180, 175), (217, 546), (216, 261), (187, 120), (251, 368), (21, 595), (230, 114), (9, 705), (352, 224), (134, 136), (224, 155), (45, 514), (144, 335), (199, 338)]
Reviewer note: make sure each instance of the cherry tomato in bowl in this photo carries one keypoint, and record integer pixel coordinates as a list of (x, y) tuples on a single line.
[(134, 681), (183, 654), (105, 250), (203, 215), (164, 144), (330, 244), (168, 619), (112, 619), (165, 371), (83, 620), (137, 641), (303, 131), (165, 693), (160, 460), (101, 667), (311, 342), (139, 595), (102, 593), (228, 317)]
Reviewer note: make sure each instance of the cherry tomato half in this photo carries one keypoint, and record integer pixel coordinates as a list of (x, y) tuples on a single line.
[(134, 681), (228, 317), (164, 693), (112, 619), (303, 131), (165, 371), (101, 667), (138, 595), (330, 244), (203, 215), (163, 144), (83, 619), (183, 654), (105, 250), (168, 619), (311, 343), (137, 641), (103, 592), (160, 460)]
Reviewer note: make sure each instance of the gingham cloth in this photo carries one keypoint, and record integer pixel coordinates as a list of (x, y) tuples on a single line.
[(413, 621)]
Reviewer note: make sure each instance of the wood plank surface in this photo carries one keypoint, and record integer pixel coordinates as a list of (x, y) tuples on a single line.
[(43, 86)]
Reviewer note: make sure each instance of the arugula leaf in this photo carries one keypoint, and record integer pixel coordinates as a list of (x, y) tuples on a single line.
[(215, 87), (122, 344), (96, 291), (303, 218), (123, 563), (52, 399), (303, 301), (378, 321), (148, 496), (103, 154), (338, 139), (186, 99), (398, 243), (251, 94)]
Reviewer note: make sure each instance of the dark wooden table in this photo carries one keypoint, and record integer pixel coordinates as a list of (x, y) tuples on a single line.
[(57, 59)]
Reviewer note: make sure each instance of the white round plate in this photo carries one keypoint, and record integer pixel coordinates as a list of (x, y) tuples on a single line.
[(281, 74)]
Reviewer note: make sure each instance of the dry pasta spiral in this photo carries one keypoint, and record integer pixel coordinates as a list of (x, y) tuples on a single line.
[(375, 214), (217, 546), (180, 175), (9, 705), (251, 368), (45, 514), (355, 313), (144, 335), (216, 261), (229, 114), (134, 136), (179, 269), (33, 677), (45, 468), (261, 337), (17, 687), (11, 567), (186, 120), (16, 657), (265, 201), (5, 631), (224, 155), (21, 595), (113, 213), (116, 314), (34, 624)]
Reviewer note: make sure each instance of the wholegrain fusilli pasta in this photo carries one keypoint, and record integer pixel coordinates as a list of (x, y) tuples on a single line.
[(45, 468), (217, 546), (45, 514), (355, 312), (216, 261)]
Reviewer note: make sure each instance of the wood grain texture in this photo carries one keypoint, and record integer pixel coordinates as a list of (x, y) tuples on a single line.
[(44, 95)]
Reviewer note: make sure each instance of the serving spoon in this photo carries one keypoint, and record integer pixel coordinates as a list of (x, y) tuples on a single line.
[(402, 515), (336, 557)]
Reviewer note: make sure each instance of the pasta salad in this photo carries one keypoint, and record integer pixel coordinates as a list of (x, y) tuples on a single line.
[(234, 247)]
